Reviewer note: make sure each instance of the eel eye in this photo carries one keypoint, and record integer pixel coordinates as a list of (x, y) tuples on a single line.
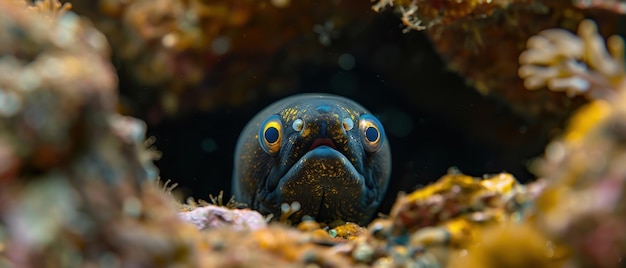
[(270, 135), (372, 133)]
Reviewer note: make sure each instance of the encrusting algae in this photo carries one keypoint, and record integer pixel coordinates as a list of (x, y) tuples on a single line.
[(78, 187)]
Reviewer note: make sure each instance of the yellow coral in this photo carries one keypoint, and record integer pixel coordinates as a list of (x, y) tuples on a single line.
[(446, 183), (586, 119), (501, 183), (510, 245)]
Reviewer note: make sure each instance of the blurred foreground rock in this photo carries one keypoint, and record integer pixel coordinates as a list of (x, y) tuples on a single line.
[(77, 183)]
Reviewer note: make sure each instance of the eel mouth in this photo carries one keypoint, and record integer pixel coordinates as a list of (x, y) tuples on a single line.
[(322, 142), (325, 183)]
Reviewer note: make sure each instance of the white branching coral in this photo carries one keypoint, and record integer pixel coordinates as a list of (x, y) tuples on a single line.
[(410, 19), (576, 64), (380, 5), (409, 14)]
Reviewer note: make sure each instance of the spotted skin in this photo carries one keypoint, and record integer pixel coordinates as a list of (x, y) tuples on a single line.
[(325, 161)]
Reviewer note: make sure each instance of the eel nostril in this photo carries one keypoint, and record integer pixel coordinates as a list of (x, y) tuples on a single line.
[(298, 124), (348, 124)]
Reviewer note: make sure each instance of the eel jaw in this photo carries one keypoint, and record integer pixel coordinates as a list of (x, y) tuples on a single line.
[(327, 186)]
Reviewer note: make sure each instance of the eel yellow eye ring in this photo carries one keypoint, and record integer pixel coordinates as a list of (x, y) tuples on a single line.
[(271, 135), (372, 133)]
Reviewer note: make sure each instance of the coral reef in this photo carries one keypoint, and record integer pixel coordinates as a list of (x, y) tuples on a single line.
[(78, 187), (482, 40), (77, 183), (426, 229), (443, 219), (199, 55), (583, 204), (454, 195)]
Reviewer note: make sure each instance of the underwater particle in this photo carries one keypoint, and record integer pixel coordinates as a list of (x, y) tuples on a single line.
[(346, 61), (208, 145), (325, 32), (220, 45)]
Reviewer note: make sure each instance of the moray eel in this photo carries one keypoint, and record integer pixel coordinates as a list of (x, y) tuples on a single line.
[(326, 152)]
